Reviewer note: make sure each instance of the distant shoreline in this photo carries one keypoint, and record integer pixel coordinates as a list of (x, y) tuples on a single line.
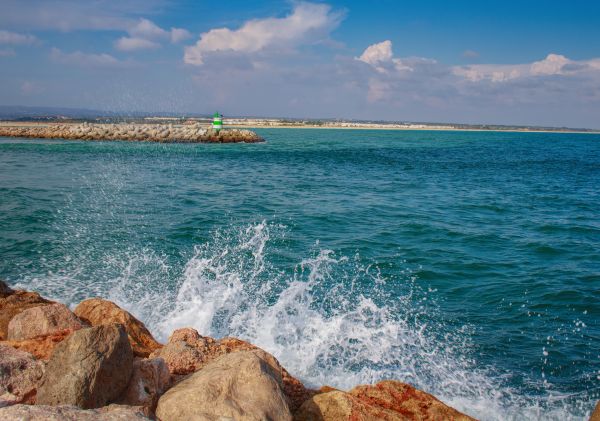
[(421, 129), (326, 126)]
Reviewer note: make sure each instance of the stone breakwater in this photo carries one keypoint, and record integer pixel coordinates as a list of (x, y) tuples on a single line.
[(166, 133), (98, 362)]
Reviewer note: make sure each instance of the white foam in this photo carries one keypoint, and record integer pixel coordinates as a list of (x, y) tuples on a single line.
[(329, 319)]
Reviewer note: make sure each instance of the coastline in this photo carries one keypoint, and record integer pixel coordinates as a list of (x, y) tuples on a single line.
[(97, 361), (329, 126)]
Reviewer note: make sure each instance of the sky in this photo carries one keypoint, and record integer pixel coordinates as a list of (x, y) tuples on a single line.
[(527, 62)]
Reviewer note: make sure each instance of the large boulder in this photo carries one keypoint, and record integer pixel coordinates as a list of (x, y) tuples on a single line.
[(242, 386), (70, 413), (13, 302), (20, 375), (89, 369), (42, 320), (150, 379), (387, 400), (97, 311), (187, 352)]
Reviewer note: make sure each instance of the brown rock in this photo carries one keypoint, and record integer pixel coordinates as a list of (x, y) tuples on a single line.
[(20, 375), (97, 311), (387, 400), (243, 386), (16, 302), (70, 413), (5, 290), (42, 320), (150, 379), (187, 352), (40, 347), (596, 414), (89, 369)]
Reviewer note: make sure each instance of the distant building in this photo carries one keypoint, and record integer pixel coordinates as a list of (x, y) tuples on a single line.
[(217, 122)]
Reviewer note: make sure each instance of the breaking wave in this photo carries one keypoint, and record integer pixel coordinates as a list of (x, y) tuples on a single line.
[(329, 318)]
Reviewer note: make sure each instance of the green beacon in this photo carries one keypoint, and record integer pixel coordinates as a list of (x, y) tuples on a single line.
[(217, 122)]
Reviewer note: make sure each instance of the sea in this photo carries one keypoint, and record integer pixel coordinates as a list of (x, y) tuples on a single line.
[(464, 263)]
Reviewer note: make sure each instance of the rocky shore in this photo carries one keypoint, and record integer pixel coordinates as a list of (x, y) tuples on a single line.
[(98, 362), (165, 133)]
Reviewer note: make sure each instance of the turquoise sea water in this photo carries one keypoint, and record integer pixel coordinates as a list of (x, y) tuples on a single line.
[(465, 263)]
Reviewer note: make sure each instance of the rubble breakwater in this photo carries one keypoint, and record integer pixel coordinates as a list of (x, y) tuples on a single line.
[(165, 133), (98, 362)]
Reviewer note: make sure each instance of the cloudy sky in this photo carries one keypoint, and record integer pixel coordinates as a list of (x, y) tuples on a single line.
[(505, 62)]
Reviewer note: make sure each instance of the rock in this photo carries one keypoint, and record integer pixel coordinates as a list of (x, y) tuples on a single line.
[(387, 400), (243, 386), (42, 320), (150, 379), (97, 311), (596, 414), (5, 290), (70, 413), (14, 303), (187, 351), (89, 369), (20, 375), (40, 347)]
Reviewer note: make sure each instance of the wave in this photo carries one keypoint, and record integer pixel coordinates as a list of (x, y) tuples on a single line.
[(329, 318)]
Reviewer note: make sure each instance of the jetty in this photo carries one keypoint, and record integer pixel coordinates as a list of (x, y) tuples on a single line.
[(164, 133)]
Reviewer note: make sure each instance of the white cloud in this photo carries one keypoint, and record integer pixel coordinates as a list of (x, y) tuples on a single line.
[(377, 53), (14, 38), (179, 34), (85, 59), (132, 44), (148, 30), (552, 65), (308, 23), (145, 35), (381, 57)]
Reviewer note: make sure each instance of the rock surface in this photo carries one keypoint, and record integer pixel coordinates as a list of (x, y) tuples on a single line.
[(40, 347), (97, 311), (150, 379), (89, 369), (13, 302), (596, 414), (41, 321), (70, 413), (193, 133), (187, 351), (5, 290), (242, 386), (387, 400), (20, 374)]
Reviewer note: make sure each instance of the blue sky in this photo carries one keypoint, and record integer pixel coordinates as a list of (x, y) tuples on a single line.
[(509, 62)]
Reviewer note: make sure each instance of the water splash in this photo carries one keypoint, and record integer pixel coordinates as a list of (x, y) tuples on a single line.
[(329, 319)]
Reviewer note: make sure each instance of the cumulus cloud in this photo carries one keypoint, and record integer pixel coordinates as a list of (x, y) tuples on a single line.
[(552, 65), (307, 23), (85, 59), (381, 57), (132, 44), (14, 38), (145, 35)]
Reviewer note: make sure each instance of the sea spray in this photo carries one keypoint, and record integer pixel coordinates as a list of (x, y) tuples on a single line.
[(329, 319)]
